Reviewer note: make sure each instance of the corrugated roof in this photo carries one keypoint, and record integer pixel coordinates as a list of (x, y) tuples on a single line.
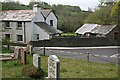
[(21, 15), (103, 29), (47, 28), (86, 28)]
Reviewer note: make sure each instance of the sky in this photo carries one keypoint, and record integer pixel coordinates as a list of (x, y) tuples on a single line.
[(83, 4)]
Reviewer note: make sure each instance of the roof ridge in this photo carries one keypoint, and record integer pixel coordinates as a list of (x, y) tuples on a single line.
[(14, 10)]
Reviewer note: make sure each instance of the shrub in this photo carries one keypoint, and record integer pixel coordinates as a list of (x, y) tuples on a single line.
[(32, 71)]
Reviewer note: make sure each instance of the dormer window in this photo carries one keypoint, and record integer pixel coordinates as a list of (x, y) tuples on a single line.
[(51, 22)]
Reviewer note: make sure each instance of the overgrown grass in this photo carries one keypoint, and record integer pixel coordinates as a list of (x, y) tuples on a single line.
[(69, 68)]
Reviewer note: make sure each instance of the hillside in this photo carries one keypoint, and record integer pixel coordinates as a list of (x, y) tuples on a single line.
[(69, 17)]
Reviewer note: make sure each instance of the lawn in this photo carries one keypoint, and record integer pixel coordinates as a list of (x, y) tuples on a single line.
[(69, 68)]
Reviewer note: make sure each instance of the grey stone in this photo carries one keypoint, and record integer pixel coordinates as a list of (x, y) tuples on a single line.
[(36, 60), (53, 67)]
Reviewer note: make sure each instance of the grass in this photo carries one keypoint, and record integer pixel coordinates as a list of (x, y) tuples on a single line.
[(5, 50), (68, 34), (69, 68)]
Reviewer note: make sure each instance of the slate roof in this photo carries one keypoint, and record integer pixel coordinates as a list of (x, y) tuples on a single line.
[(47, 28), (96, 29), (86, 28), (21, 15), (103, 29)]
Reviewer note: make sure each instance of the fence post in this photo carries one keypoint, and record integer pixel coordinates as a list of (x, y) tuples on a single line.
[(44, 51), (88, 56)]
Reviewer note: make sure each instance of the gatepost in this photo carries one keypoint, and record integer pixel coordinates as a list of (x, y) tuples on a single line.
[(23, 56)]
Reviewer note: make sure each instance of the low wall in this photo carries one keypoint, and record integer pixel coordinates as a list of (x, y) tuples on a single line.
[(74, 42)]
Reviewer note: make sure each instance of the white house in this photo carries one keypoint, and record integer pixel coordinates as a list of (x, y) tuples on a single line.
[(20, 26)]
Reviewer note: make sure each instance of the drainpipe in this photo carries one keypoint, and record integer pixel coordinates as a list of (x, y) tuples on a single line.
[(24, 33)]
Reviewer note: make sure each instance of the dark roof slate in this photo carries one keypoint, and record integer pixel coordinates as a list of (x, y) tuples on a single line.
[(47, 28)]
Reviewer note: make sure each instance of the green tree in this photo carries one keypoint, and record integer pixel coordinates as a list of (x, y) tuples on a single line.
[(101, 16)]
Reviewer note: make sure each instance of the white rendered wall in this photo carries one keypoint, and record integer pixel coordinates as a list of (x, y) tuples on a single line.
[(51, 16), (36, 29)]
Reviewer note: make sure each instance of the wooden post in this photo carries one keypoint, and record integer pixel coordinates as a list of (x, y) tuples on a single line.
[(44, 51), (88, 56)]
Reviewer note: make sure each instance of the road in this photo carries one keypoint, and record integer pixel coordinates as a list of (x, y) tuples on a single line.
[(96, 54)]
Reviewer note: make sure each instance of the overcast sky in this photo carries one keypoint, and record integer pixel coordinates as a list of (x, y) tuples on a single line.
[(84, 4)]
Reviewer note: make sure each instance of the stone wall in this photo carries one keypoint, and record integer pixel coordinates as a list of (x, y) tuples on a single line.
[(74, 42)]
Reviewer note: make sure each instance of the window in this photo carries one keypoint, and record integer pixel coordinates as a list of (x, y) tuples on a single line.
[(37, 36), (19, 24), (7, 24), (7, 36), (19, 37), (51, 22), (116, 36)]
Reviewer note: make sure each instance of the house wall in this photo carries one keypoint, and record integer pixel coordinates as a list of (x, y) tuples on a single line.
[(14, 31), (51, 16), (37, 30), (111, 35), (28, 26)]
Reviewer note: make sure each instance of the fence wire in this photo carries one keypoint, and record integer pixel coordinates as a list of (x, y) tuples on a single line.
[(102, 59), (83, 54)]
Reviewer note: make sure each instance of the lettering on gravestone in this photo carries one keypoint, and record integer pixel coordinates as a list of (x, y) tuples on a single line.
[(53, 67)]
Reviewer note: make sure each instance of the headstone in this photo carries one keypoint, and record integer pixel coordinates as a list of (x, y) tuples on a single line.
[(29, 48), (36, 60), (53, 67), (16, 53), (23, 56)]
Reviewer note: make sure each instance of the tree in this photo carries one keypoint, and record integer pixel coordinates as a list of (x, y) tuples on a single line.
[(116, 13), (101, 16)]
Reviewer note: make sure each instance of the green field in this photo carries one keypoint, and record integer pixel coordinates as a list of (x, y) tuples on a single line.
[(69, 68)]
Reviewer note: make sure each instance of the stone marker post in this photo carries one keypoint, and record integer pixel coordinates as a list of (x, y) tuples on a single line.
[(23, 56), (53, 67), (36, 60)]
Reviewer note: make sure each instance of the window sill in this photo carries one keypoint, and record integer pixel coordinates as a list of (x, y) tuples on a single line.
[(19, 28), (8, 28), (20, 42)]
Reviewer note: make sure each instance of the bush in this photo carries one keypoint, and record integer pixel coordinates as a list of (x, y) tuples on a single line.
[(32, 71)]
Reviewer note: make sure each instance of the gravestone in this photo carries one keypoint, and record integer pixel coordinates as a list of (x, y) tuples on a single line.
[(36, 60), (29, 48), (16, 53), (53, 67), (23, 56)]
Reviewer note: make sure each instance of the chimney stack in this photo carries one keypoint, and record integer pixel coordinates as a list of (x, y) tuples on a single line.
[(36, 7)]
